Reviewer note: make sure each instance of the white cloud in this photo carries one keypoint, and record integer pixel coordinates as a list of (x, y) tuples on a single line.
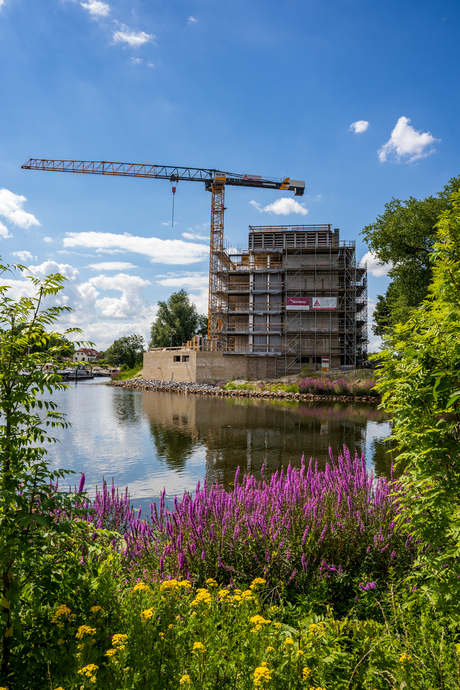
[(374, 266), (11, 207), (4, 232), (133, 38), (25, 256), (136, 61), (150, 64), (281, 207), (359, 126), (2, 2), (111, 266), (194, 236), (193, 280), (191, 20), (406, 141), (47, 239), (96, 8), (158, 251)]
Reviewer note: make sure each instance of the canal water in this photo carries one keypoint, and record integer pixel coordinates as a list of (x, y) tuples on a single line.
[(149, 440)]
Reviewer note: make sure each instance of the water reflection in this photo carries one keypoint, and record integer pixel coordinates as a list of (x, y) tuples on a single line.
[(148, 440), (250, 433)]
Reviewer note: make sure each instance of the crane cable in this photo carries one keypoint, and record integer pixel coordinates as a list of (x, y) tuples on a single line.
[(173, 181)]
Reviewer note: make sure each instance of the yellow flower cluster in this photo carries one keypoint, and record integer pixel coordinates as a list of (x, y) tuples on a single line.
[(141, 587), (211, 582), (185, 679), (258, 622), (288, 641), (147, 615), (270, 649), (257, 582), (59, 688), (314, 629), (306, 673), (119, 639), (202, 596), (174, 585), (95, 609), (110, 653), (84, 630), (89, 671), (62, 610), (405, 657), (312, 687), (275, 609), (223, 593), (198, 647), (162, 635), (262, 673)]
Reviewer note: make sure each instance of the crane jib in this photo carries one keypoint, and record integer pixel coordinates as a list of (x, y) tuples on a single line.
[(164, 172)]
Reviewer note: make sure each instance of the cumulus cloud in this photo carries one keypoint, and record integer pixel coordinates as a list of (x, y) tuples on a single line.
[(135, 39), (96, 8), (359, 126), (101, 313), (4, 232), (24, 256), (281, 207), (47, 239), (191, 20), (374, 266), (158, 251), (406, 142), (2, 2), (136, 61), (194, 236), (11, 208)]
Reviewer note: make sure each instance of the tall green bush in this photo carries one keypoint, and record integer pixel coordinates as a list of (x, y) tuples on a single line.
[(421, 390)]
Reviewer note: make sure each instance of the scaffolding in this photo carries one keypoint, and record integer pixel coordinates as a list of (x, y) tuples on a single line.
[(297, 294)]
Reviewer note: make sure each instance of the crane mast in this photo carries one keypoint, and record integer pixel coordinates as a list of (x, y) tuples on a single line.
[(215, 181)]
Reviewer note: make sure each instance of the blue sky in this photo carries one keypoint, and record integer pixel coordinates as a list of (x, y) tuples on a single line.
[(269, 88)]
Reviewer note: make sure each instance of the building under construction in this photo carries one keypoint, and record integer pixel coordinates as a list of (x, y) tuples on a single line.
[(297, 295)]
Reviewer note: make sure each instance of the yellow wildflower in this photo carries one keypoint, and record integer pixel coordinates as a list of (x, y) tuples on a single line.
[(275, 609), (237, 591), (95, 609), (141, 587), (262, 673), (185, 679), (162, 635), (59, 688), (405, 657), (277, 625), (256, 629), (202, 595), (257, 582), (146, 615), (119, 639), (185, 583), (270, 649), (110, 653), (211, 582), (288, 641), (80, 647), (169, 585), (88, 670), (247, 595), (237, 598), (170, 626), (259, 620), (84, 630), (223, 593), (59, 642), (300, 652), (306, 673), (198, 646), (62, 610)]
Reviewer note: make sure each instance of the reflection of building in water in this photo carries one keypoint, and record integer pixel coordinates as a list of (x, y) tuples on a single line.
[(248, 433)]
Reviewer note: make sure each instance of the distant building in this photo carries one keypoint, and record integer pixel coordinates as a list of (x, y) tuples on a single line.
[(86, 354)]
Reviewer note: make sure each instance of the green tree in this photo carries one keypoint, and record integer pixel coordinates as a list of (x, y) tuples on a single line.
[(37, 534), (404, 236), (177, 321), (420, 383), (126, 350)]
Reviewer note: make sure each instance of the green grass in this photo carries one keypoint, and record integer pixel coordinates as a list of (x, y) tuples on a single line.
[(128, 374)]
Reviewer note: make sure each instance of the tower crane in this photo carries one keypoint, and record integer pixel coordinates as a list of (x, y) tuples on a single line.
[(215, 182)]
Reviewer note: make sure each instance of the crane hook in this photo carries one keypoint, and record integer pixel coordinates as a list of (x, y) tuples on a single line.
[(174, 181)]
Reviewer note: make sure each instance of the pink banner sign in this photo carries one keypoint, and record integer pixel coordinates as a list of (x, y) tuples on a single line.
[(296, 303)]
